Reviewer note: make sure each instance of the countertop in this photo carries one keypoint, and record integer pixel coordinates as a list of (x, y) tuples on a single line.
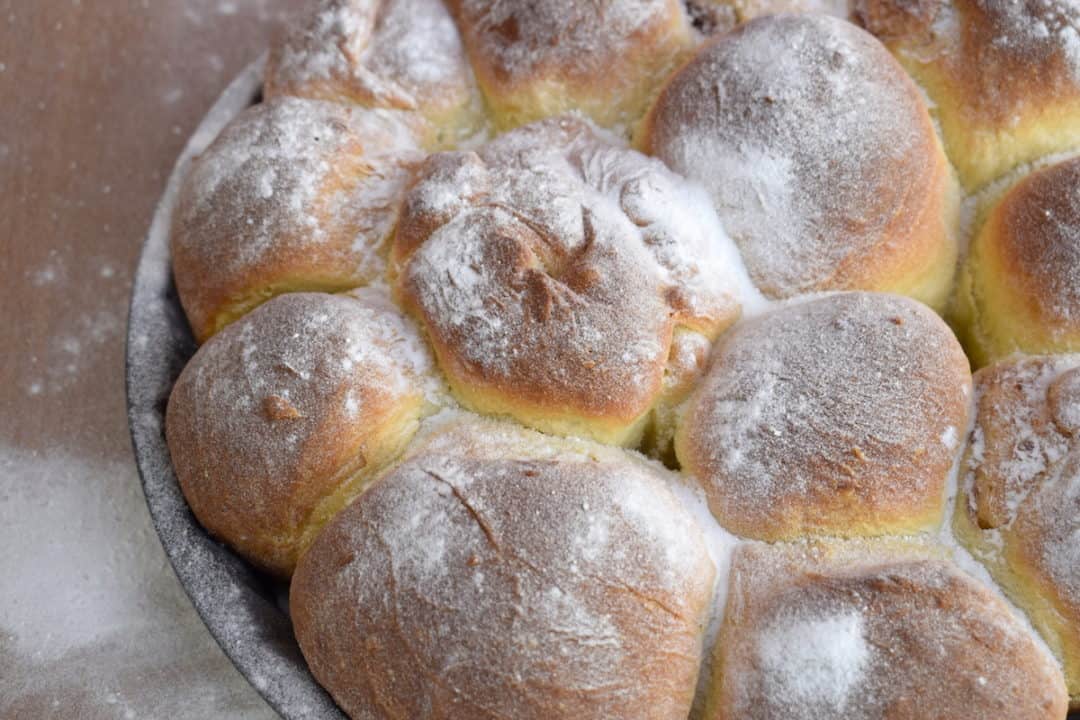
[(98, 97)]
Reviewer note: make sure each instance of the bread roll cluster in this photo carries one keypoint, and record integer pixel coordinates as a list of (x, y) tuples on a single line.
[(583, 360)]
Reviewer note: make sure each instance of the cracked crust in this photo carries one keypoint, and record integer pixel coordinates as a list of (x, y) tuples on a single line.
[(551, 270), (496, 573)]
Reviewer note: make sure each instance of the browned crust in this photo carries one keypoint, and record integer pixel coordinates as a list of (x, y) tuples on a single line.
[(840, 416), (394, 54), (1037, 241), (937, 643), (534, 59), (896, 228), (293, 195), (992, 77), (1019, 509), (513, 587), (563, 330), (264, 423), (1004, 76)]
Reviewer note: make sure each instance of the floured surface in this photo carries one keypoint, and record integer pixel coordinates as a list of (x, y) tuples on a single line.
[(815, 146), (864, 632), (554, 581), (838, 414)]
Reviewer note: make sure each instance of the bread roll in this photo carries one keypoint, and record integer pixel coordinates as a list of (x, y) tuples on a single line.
[(840, 415), (1019, 507), (1004, 77), (394, 54), (282, 418), (866, 633), (538, 59), (293, 195), (712, 17), (820, 157), (1019, 287), (560, 275), (496, 573)]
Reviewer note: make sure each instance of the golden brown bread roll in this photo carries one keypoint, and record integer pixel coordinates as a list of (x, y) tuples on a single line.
[(281, 419), (871, 632), (1004, 77), (604, 59), (394, 54), (839, 415), (293, 195), (565, 280), (1019, 288), (1019, 506), (496, 573), (820, 157)]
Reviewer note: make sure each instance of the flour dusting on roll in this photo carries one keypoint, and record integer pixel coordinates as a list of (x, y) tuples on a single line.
[(394, 54), (603, 59), (1004, 77), (838, 415), (555, 271), (1019, 506), (293, 195), (282, 418), (1019, 288), (547, 581), (820, 157), (864, 631)]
